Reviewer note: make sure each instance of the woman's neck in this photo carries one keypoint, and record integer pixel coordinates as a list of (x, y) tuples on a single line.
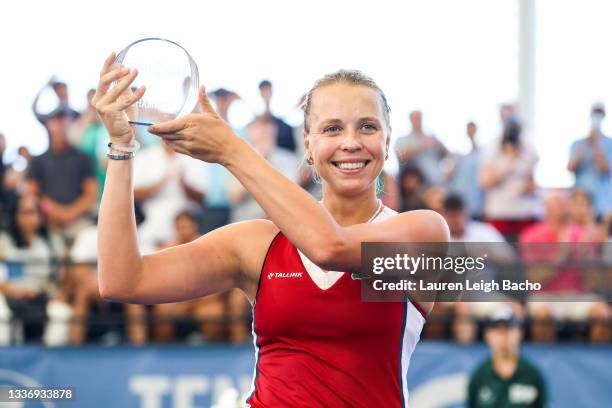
[(353, 210), (29, 236)]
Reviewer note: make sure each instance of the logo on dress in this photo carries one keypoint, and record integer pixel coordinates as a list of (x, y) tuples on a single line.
[(284, 275)]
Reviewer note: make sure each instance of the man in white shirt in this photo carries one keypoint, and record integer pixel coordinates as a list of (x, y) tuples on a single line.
[(462, 228), (160, 175)]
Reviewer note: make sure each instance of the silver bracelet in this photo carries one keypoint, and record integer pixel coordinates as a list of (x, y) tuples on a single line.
[(125, 149), (126, 156)]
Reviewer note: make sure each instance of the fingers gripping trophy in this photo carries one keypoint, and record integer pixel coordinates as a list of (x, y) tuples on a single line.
[(152, 80)]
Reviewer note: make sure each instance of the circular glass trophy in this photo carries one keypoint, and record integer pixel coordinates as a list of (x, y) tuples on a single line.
[(170, 76)]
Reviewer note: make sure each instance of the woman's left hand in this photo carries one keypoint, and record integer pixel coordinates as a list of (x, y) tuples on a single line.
[(204, 136)]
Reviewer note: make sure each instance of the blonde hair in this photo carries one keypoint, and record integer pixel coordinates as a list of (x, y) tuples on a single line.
[(350, 77)]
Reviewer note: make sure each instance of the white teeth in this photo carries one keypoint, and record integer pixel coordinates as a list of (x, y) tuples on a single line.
[(351, 166)]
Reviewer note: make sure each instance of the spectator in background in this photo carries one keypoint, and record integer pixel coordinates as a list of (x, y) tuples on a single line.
[(507, 178), (262, 133), (216, 179), (411, 188), (89, 136), (162, 181), (464, 229), (607, 246), (186, 229), (223, 101), (582, 215), (15, 175), (421, 151), (546, 247), (14, 183), (555, 226), (24, 153), (85, 294), (208, 311), (29, 277), (489, 241), (4, 199), (466, 172), (507, 112), (506, 379), (285, 138), (433, 198), (2, 151), (61, 91), (64, 179), (591, 161)]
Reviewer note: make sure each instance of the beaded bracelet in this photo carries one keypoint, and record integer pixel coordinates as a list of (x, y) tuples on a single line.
[(125, 149)]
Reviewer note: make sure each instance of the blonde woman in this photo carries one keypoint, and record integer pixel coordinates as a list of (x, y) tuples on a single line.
[(317, 343)]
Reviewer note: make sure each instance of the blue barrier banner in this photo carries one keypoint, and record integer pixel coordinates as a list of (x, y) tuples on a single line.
[(206, 376), (147, 377)]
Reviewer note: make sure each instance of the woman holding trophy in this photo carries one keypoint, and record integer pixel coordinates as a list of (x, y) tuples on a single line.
[(317, 343)]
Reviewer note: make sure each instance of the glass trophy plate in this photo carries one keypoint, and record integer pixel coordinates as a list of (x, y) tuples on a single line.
[(170, 75)]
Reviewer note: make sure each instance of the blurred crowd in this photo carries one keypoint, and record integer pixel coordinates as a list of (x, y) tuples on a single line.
[(48, 207)]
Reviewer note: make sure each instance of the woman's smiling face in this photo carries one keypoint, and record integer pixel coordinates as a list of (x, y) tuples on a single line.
[(348, 136)]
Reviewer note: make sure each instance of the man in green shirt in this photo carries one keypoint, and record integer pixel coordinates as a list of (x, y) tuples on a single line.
[(506, 380), (89, 135)]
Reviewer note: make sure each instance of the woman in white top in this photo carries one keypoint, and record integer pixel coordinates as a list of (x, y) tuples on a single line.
[(29, 274)]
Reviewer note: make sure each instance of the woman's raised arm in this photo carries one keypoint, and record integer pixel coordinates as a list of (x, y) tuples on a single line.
[(210, 264)]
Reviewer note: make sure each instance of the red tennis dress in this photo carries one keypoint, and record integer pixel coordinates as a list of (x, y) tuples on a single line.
[(319, 345)]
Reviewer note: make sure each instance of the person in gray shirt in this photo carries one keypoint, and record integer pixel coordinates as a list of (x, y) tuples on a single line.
[(421, 150), (64, 179)]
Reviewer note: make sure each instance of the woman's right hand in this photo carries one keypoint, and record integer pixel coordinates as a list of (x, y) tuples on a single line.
[(114, 104)]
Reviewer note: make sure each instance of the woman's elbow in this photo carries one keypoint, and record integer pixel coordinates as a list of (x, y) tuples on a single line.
[(114, 295), (323, 258), (106, 293), (113, 292), (328, 253)]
